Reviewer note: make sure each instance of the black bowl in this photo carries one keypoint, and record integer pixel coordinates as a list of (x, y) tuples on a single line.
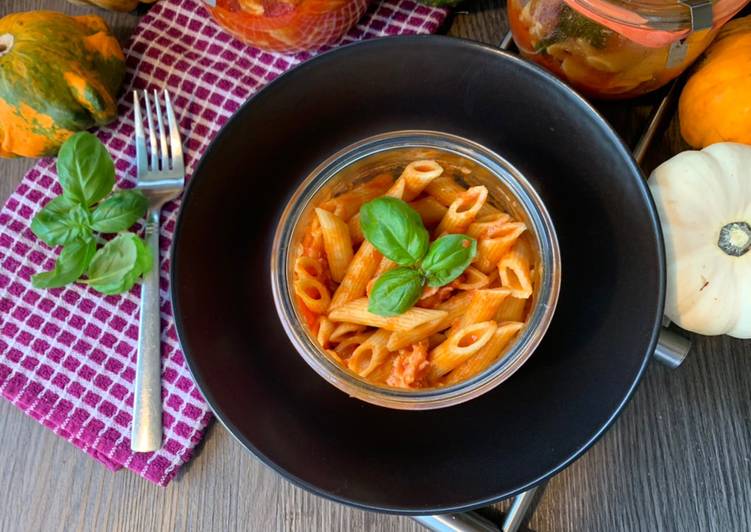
[(492, 447)]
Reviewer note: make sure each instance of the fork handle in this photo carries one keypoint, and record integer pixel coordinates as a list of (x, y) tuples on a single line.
[(146, 434)]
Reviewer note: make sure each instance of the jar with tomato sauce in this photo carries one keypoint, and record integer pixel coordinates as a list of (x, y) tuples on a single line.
[(617, 48), (287, 25)]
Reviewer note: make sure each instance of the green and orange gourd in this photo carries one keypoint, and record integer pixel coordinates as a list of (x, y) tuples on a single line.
[(58, 75)]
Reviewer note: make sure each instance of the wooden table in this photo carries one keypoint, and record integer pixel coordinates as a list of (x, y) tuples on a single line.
[(678, 459)]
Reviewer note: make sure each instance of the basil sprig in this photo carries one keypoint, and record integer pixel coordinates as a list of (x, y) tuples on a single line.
[(87, 175), (397, 231)]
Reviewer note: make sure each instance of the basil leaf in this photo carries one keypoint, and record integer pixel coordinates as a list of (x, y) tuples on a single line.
[(85, 169), (145, 258), (61, 222), (395, 291), (447, 258), (119, 211), (70, 265), (118, 264), (395, 229)]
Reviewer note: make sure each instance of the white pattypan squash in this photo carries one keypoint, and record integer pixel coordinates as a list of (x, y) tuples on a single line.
[(704, 202)]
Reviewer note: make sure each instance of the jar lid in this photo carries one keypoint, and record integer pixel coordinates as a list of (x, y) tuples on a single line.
[(657, 23)]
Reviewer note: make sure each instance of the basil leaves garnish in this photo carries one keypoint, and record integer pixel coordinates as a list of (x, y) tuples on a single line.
[(396, 230), (87, 175)]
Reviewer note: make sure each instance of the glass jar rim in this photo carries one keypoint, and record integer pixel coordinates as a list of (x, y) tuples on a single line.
[(429, 398), (653, 24)]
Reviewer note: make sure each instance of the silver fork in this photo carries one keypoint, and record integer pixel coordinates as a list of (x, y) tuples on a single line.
[(161, 177)]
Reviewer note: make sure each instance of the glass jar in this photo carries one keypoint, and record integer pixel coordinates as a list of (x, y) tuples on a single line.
[(507, 189), (617, 48), (287, 25)]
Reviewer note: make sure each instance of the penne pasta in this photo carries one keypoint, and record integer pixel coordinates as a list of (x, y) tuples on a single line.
[(370, 354), (336, 242), (482, 307), (309, 267), (471, 279), (359, 272), (487, 355), (430, 210), (514, 270), (416, 177), (355, 229), (348, 204), (396, 190), (446, 190), (488, 225), (343, 331), (462, 211), (435, 339), (384, 266), (490, 250), (459, 347), (357, 312), (325, 328), (511, 309), (494, 280), (313, 294), (454, 308), (333, 354), (345, 348)]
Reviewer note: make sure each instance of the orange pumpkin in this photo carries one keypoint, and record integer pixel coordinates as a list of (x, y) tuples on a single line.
[(60, 75), (114, 5), (715, 105)]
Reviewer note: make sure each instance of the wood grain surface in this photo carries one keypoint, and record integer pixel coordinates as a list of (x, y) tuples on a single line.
[(678, 459)]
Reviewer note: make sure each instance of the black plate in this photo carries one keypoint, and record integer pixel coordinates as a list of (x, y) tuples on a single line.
[(528, 428)]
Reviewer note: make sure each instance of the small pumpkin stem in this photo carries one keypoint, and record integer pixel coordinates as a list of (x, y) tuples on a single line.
[(6, 43), (735, 238)]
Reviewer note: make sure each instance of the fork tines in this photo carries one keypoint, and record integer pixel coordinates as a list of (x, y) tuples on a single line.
[(158, 156)]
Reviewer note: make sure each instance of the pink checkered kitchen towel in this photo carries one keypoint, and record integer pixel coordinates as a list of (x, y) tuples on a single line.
[(67, 356)]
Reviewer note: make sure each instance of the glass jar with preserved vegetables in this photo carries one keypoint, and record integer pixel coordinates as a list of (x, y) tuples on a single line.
[(617, 48), (287, 25)]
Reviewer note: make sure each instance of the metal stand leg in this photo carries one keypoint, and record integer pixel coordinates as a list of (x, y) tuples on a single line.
[(515, 517), (462, 522), (520, 508), (672, 348)]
